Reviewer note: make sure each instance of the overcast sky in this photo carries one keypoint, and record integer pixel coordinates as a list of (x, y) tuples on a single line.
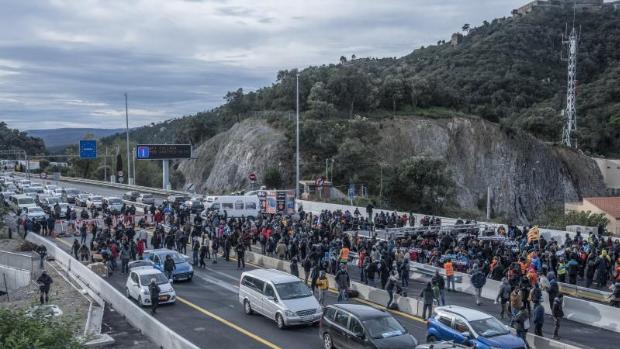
[(67, 63)]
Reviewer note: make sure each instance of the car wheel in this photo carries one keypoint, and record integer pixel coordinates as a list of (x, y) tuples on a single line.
[(431, 339), (127, 293), (140, 301), (280, 321), (327, 341), (247, 307)]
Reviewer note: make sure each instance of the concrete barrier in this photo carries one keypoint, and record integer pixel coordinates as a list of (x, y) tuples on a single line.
[(16, 260), (12, 279), (159, 333)]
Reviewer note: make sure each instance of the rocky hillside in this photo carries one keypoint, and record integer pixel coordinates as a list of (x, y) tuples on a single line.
[(224, 161), (525, 175)]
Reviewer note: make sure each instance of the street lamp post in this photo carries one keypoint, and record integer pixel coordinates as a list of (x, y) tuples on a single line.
[(129, 178), (297, 141)]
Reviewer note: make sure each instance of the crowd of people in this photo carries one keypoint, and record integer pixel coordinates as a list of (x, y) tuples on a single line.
[(330, 243)]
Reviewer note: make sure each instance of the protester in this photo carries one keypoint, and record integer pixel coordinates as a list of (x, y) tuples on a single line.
[(44, 281), (558, 314), (427, 296), (154, 291)]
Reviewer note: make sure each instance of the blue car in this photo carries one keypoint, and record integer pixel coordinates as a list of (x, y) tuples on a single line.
[(183, 270), (470, 327)]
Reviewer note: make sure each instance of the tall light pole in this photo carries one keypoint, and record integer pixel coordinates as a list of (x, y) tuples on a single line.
[(129, 181), (297, 141)]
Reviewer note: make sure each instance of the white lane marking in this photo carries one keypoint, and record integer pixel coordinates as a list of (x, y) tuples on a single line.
[(223, 284)]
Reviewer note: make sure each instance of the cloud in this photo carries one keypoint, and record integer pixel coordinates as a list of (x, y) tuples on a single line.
[(66, 62)]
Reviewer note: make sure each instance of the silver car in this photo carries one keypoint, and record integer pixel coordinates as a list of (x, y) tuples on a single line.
[(278, 296)]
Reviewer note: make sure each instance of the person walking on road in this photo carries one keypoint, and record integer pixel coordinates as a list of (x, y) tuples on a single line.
[(294, 267), (75, 248), (154, 291), (428, 296), (391, 285), (449, 267), (538, 318), (322, 284), (42, 251), (516, 301), (558, 314), (240, 250), (503, 296), (521, 323), (441, 284), (125, 255), (169, 266), (344, 282), (44, 281), (478, 280)]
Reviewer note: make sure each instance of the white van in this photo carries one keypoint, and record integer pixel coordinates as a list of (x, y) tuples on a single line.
[(278, 296), (21, 201), (234, 205)]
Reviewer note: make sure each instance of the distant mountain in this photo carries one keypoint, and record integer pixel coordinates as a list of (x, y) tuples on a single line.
[(59, 138)]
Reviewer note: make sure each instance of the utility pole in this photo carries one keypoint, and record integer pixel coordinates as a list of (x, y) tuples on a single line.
[(297, 140), (105, 165), (570, 113), (129, 178), (488, 203), (133, 165)]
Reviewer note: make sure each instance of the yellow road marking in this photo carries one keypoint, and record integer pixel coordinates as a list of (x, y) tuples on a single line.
[(64, 242), (228, 323)]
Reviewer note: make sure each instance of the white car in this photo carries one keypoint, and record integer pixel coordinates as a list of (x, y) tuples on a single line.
[(95, 200), (49, 189), (113, 204), (34, 213), (58, 192), (38, 187), (137, 286)]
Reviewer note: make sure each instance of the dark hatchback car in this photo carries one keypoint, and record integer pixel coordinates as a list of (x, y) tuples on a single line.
[(346, 326), (131, 195)]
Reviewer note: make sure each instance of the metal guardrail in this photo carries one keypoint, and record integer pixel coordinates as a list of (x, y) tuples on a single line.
[(586, 293)]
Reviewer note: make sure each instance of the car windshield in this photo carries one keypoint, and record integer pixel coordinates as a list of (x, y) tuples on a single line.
[(35, 210), (52, 201), (175, 256), (489, 327), (115, 201), (384, 327), (96, 198), (25, 201), (147, 196), (72, 191), (292, 290), (160, 278)]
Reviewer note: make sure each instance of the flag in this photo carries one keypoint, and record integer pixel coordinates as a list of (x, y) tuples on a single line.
[(533, 234)]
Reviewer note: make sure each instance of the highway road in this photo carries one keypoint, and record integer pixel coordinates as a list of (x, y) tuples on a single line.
[(208, 313), (208, 305)]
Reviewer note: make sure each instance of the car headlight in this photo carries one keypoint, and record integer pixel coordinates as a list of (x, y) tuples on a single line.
[(319, 309), (146, 291), (289, 313), (191, 269)]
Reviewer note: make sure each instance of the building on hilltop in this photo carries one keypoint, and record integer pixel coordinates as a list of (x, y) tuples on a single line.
[(579, 5), (608, 206), (610, 169)]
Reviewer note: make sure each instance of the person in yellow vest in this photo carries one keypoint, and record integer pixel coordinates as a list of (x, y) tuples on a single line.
[(322, 284), (449, 267), (562, 270)]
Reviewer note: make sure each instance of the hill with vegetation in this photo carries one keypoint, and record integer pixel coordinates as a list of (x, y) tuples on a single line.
[(59, 138), (13, 139), (508, 72)]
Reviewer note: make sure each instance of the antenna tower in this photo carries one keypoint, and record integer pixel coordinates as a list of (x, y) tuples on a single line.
[(570, 113)]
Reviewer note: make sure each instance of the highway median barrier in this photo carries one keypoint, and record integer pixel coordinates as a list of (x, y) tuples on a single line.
[(156, 331)]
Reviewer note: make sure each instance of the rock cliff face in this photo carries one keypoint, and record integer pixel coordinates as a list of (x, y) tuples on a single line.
[(225, 161), (525, 175)]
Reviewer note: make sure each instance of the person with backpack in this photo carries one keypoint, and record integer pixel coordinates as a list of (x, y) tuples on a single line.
[(154, 291), (169, 266), (503, 296), (294, 267), (344, 282), (478, 280)]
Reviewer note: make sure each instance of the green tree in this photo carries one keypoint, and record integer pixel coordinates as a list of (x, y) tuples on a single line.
[(19, 330), (273, 178), (421, 184), (318, 100)]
